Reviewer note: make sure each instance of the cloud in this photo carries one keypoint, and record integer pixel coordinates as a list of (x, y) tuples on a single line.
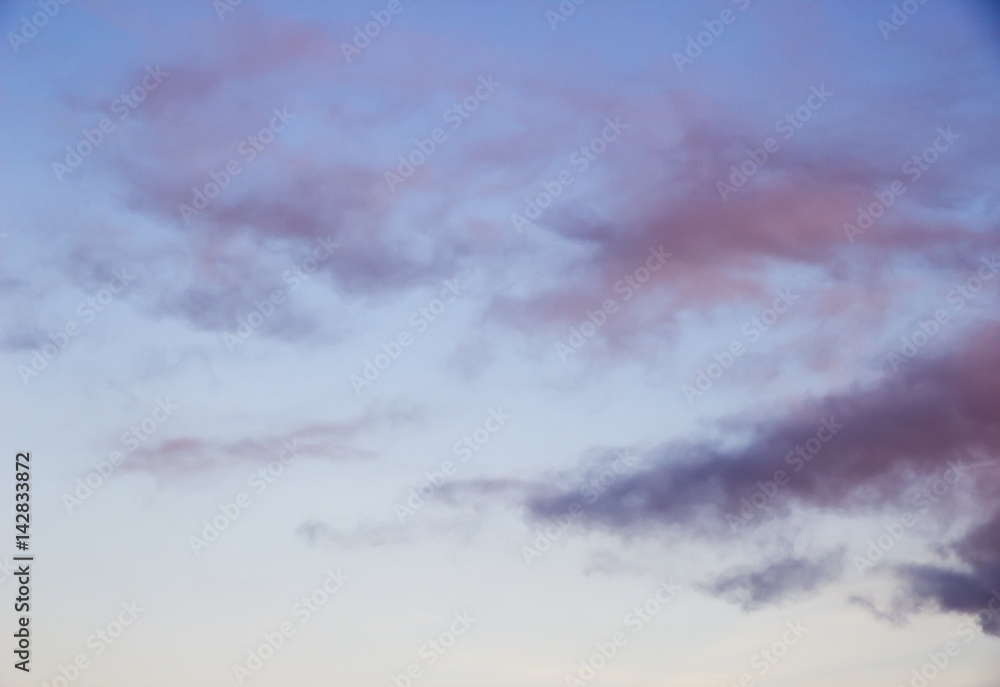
[(186, 456), (972, 588), (788, 578), (933, 416), (877, 441), (655, 186), (365, 535)]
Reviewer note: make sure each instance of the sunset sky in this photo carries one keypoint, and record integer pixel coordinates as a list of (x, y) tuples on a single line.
[(419, 343)]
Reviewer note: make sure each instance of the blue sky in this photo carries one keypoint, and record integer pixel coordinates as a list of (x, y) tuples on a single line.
[(496, 324)]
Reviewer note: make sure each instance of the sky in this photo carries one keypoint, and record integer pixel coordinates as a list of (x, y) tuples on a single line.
[(413, 343)]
